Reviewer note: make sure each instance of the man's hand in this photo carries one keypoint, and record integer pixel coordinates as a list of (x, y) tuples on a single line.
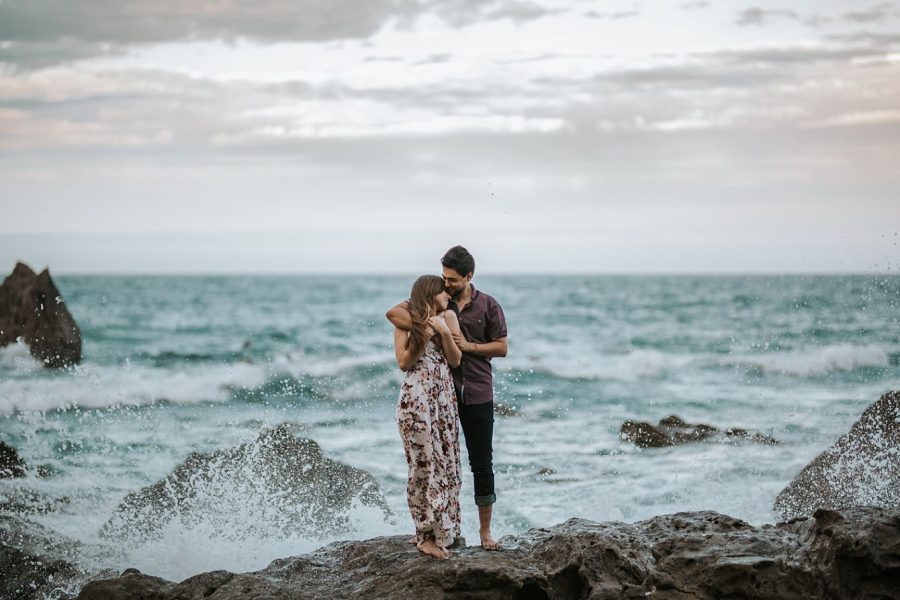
[(496, 349), (461, 342)]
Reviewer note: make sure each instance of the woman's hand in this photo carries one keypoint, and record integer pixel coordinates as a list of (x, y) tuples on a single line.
[(439, 325)]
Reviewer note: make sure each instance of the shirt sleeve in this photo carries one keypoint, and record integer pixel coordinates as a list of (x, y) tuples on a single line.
[(495, 321)]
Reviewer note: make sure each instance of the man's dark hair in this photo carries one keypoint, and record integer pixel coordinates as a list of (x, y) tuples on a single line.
[(459, 259)]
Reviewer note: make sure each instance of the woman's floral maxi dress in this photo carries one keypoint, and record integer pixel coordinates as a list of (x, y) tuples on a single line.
[(429, 425)]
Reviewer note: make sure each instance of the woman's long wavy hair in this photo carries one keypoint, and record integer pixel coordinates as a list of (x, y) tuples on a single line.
[(422, 308)]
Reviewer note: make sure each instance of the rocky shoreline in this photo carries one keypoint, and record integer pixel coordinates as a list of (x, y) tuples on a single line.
[(840, 538), (850, 553)]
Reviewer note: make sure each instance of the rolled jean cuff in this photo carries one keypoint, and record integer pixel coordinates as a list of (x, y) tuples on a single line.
[(485, 500)]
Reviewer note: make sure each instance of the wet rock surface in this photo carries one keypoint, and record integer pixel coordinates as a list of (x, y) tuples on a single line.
[(673, 430), (861, 468), (31, 307), (851, 553), (11, 464), (31, 561), (295, 487)]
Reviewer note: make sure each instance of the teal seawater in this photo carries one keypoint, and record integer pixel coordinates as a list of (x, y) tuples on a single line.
[(180, 364)]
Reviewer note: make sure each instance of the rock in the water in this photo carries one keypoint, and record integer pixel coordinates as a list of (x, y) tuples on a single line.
[(686, 556), (506, 410), (25, 501), (861, 468), (32, 308), (11, 465), (278, 485), (33, 561), (673, 430)]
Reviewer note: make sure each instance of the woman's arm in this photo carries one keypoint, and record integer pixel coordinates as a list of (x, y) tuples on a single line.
[(405, 358), (450, 325)]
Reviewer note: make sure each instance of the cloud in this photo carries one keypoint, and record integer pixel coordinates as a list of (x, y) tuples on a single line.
[(613, 16), (695, 5), (149, 21), (760, 16), (875, 14), (48, 32)]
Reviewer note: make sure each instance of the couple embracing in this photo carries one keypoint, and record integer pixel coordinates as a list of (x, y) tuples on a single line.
[(444, 338)]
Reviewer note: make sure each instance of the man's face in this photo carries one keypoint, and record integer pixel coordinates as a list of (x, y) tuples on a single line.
[(455, 283)]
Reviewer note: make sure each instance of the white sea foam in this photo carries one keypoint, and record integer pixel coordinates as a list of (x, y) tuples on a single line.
[(816, 361), (630, 366), (182, 551), (16, 358), (92, 386), (299, 364)]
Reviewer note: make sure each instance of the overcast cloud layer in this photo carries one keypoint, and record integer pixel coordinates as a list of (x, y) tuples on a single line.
[(202, 135)]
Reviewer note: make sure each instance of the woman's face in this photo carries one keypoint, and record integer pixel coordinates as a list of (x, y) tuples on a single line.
[(442, 300)]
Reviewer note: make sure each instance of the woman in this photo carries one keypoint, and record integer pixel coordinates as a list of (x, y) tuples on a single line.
[(427, 416)]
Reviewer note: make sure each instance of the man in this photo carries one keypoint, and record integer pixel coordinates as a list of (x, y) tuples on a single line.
[(483, 337)]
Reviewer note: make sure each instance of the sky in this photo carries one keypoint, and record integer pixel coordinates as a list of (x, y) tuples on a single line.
[(339, 136)]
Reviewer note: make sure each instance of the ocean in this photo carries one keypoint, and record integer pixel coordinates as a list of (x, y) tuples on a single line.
[(175, 365)]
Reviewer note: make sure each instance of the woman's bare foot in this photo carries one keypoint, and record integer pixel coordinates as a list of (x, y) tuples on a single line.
[(487, 540), (431, 548)]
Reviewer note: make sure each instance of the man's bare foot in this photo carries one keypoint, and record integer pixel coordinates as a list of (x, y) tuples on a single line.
[(487, 540), (431, 548)]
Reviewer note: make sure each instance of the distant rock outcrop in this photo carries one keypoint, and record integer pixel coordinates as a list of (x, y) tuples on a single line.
[(685, 556), (32, 308), (277, 485), (673, 430), (11, 465), (861, 468)]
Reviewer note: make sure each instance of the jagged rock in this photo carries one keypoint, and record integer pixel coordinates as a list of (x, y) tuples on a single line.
[(673, 430), (25, 501), (686, 556), (33, 561), (279, 482), (506, 410), (11, 465), (861, 468), (32, 308)]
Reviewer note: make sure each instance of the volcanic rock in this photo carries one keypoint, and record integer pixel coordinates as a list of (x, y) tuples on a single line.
[(851, 553), (277, 486), (32, 308), (673, 430), (861, 468), (11, 465)]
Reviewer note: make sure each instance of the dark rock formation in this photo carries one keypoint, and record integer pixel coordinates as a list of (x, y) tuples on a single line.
[(279, 481), (10, 463), (673, 430), (32, 563), (704, 556), (506, 410), (861, 468), (31, 307)]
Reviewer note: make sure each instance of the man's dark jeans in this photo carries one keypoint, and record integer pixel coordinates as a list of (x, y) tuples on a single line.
[(477, 422)]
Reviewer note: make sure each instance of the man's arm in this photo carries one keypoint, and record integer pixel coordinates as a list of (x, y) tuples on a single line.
[(399, 316), (496, 349)]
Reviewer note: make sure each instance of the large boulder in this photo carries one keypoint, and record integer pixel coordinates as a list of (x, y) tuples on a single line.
[(861, 468), (673, 430), (277, 485), (32, 308), (703, 556)]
